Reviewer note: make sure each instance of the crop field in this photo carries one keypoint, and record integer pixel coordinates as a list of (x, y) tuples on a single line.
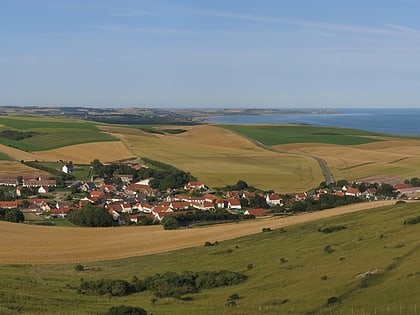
[(394, 157), (53, 132), (369, 266), (14, 168), (270, 135), (81, 153), (219, 157), (279, 157)]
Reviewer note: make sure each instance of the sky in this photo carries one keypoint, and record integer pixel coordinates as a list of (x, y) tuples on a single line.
[(210, 53)]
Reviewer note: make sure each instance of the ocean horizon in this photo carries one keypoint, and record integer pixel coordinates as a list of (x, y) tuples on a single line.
[(398, 121)]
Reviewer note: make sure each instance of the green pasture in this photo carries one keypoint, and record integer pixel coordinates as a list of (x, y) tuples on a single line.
[(284, 134), (54, 133), (295, 270), (5, 157)]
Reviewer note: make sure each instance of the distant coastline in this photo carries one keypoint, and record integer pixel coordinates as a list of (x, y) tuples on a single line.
[(389, 121)]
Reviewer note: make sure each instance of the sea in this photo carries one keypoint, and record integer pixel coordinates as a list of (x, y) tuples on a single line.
[(393, 121)]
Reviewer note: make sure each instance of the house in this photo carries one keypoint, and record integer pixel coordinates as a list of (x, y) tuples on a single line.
[(355, 192), (42, 190), (301, 196), (273, 200), (68, 168), (233, 204), (256, 212), (194, 186)]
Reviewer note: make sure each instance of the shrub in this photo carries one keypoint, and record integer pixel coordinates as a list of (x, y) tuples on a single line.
[(126, 310), (266, 230), (413, 220), (331, 229), (79, 267), (332, 300), (328, 249)]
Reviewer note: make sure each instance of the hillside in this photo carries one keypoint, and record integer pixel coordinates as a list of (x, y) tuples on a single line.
[(369, 265)]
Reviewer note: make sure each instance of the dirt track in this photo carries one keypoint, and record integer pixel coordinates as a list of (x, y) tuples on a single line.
[(29, 244)]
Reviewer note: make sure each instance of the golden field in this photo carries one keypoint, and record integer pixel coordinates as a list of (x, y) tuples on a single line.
[(399, 158), (31, 244), (219, 157), (80, 153)]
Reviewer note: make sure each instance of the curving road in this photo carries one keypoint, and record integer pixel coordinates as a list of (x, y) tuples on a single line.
[(329, 179)]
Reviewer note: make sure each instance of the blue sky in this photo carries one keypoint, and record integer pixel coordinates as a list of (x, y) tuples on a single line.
[(210, 53)]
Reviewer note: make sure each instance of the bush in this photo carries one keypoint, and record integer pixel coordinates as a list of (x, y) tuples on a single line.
[(332, 300), (413, 220), (331, 229), (328, 249), (79, 267), (126, 310), (266, 230)]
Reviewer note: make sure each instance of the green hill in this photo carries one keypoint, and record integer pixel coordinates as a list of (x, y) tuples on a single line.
[(363, 263)]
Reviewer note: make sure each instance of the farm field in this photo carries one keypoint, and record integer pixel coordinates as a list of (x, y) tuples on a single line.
[(57, 245), (371, 266), (52, 133), (278, 157), (219, 157), (398, 158)]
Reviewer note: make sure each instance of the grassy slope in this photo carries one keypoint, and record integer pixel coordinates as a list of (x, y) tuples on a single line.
[(373, 240), (54, 132)]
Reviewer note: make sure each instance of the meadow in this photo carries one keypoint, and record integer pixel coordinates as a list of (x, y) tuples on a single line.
[(52, 132), (368, 267)]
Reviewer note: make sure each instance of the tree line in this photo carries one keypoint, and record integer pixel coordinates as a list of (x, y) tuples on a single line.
[(169, 284)]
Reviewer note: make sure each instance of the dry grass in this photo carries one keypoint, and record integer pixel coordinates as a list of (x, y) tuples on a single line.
[(393, 157), (30, 244), (81, 153), (219, 157), (14, 168)]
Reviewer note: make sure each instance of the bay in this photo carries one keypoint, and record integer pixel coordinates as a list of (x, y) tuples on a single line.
[(398, 121)]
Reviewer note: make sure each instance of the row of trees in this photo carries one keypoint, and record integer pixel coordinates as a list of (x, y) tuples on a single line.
[(172, 222), (169, 284)]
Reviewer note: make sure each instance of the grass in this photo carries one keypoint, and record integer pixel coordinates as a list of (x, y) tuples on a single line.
[(54, 132), (285, 134), (291, 273), (5, 157)]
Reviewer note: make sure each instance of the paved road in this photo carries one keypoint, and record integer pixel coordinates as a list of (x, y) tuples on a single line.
[(329, 179)]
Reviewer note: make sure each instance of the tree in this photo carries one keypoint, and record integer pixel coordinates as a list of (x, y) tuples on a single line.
[(14, 215), (241, 185), (386, 190), (170, 223), (92, 216)]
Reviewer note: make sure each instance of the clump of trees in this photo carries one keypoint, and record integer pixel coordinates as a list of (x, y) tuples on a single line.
[(169, 284), (17, 135), (164, 176), (92, 216), (12, 215), (200, 217)]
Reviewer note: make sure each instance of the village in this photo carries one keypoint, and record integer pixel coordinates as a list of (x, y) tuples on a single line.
[(131, 201)]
